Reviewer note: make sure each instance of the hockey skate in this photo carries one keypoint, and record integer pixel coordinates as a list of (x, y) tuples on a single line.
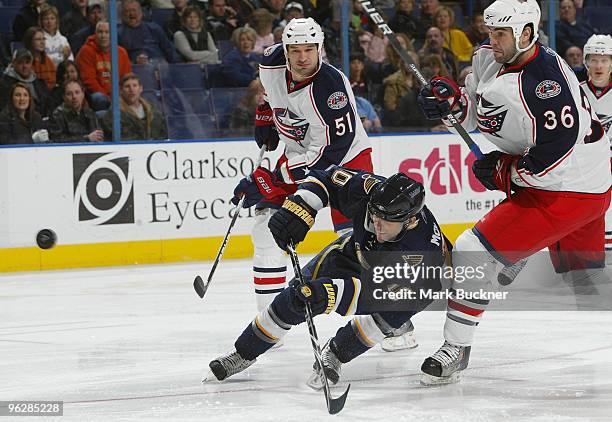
[(445, 366), (400, 341), (226, 366), (507, 274), (331, 367)]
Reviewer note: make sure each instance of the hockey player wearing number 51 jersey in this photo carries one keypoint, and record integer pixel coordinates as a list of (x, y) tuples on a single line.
[(552, 161), (310, 108)]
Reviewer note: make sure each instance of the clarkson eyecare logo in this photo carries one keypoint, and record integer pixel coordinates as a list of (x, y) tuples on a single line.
[(103, 188)]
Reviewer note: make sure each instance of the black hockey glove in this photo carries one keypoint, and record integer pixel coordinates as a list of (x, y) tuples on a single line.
[(291, 222), (494, 170), (434, 98), (319, 293), (265, 130)]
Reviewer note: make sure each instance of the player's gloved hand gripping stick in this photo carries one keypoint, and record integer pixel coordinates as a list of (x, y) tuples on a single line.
[(377, 18), (334, 405), (198, 284)]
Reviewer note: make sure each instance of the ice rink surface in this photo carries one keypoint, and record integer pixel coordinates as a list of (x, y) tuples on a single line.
[(132, 344)]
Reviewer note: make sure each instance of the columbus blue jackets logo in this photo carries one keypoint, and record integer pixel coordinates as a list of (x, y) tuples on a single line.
[(490, 117), (337, 100), (547, 89), (290, 124), (606, 121)]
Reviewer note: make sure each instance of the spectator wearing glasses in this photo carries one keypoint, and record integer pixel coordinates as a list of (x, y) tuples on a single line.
[(43, 66)]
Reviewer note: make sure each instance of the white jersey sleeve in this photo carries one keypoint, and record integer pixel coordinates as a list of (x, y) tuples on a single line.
[(316, 119), (601, 102)]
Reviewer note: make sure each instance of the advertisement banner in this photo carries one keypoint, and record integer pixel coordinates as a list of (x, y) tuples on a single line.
[(125, 192), (442, 162), (171, 200)]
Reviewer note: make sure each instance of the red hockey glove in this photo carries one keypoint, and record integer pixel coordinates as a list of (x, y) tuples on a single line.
[(494, 170), (265, 130), (445, 89), (434, 98), (259, 185)]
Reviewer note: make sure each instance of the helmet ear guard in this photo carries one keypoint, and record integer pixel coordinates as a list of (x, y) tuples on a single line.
[(516, 15)]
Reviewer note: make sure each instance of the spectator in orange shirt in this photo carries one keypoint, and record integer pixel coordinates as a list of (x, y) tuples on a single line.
[(43, 66), (94, 62)]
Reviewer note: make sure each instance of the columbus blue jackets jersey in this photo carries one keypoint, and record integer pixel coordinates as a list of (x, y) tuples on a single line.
[(601, 102), (316, 119), (537, 110), (349, 192)]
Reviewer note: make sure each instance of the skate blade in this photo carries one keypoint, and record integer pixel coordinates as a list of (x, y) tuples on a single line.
[(278, 345), (314, 381), (430, 380), (210, 378), (396, 348)]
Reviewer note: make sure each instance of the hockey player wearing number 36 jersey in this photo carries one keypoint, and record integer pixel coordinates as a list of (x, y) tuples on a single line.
[(552, 161), (310, 108)]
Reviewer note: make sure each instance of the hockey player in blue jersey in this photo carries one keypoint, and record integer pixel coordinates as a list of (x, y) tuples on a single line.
[(388, 215)]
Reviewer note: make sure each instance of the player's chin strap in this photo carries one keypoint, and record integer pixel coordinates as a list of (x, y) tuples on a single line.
[(520, 51)]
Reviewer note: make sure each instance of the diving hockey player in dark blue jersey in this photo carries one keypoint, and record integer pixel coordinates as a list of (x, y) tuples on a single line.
[(388, 215)]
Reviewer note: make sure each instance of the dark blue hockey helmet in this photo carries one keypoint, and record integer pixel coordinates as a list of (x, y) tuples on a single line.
[(397, 199)]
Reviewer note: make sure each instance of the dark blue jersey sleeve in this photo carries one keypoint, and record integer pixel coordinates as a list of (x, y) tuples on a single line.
[(338, 187), (273, 56), (554, 113), (338, 117)]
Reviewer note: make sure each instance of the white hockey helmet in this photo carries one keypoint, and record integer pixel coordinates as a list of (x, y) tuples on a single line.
[(597, 44), (303, 31), (514, 14)]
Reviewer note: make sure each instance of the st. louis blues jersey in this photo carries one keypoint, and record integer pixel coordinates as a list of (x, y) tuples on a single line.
[(349, 191), (601, 102), (537, 110), (316, 119)]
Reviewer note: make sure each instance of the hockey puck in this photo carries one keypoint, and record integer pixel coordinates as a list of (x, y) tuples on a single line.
[(46, 239)]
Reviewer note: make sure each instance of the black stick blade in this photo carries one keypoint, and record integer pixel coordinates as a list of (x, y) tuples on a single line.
[(336, 405), (200, 288)]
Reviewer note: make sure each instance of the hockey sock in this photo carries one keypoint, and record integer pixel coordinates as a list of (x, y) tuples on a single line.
[(261, 334), (269, 262), (346, 345)]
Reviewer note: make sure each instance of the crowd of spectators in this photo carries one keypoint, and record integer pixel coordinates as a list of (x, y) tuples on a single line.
[(59, 52)]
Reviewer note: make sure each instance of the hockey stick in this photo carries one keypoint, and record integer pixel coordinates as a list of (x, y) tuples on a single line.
[(388, 32), (198, 284), (333, 405)]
